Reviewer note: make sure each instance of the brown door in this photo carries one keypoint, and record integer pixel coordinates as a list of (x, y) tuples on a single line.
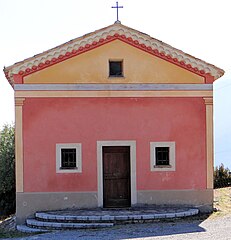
[(116, 177)]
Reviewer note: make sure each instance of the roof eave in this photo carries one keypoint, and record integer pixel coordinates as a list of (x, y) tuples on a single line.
[(104, 35)]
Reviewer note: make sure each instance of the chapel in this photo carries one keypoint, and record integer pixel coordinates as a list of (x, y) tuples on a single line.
[(113, 119)]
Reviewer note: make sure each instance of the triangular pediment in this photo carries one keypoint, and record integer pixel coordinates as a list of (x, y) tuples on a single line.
[(92, 67), (99, 38)]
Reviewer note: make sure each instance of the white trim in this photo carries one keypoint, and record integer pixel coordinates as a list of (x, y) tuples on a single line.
[(172, 156), (78, 147), (98, 94), (132, 145), (113, 87)]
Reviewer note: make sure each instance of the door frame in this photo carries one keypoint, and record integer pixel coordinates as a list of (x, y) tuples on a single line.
[(132, 145)]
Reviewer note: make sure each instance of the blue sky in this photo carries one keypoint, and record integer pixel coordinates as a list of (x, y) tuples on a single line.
[(200, 28), (222, 120)]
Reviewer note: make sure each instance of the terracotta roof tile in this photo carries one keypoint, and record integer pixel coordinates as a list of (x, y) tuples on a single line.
[(105, 35)]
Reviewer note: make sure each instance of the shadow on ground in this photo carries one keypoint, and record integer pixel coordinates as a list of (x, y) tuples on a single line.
[(153, 230)]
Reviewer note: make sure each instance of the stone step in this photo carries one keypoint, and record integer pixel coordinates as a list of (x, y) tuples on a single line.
[(64, 225), (47, 217), (26, 229)]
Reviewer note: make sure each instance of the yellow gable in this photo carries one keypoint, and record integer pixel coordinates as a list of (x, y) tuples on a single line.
[(93, 67)]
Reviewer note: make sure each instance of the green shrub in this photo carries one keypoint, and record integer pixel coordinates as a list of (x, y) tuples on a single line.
[(222, 177), (7, 170)]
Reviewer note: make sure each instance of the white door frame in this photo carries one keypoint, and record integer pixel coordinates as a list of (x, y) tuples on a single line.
[(132, 145)]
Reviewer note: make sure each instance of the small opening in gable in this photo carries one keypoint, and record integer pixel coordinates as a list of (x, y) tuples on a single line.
[(115, 68)]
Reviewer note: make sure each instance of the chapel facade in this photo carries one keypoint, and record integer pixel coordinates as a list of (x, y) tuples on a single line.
[(113, 119)]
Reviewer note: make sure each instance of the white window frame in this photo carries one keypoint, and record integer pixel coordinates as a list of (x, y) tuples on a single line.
[(172, 156), (78, 147)]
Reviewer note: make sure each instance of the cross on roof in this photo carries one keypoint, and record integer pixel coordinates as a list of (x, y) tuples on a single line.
[(117, 7)]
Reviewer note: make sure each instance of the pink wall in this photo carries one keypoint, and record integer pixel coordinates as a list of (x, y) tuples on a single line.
[(49, 121)]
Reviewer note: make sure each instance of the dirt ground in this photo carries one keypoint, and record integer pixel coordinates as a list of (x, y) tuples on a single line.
[(222, 201)]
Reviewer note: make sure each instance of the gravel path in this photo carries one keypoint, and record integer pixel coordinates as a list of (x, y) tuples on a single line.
[(212, 229)]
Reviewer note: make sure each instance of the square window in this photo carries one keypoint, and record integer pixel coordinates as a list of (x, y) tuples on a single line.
[(68, 158), (162, 156), (115, 68)]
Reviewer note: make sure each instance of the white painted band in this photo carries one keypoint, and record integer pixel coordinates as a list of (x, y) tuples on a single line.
[(111, 87)]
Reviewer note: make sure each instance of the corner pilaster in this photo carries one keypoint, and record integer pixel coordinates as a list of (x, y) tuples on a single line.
[(19, 143), (209, 141)]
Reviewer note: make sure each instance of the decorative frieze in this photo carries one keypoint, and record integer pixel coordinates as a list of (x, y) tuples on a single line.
[(98, 38)]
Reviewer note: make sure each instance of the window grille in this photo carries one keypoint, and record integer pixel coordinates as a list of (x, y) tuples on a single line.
[(162, 156), (68, 158)]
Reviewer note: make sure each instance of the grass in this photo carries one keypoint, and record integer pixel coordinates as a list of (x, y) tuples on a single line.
[(12, 234), (7, 228), (222, 202)]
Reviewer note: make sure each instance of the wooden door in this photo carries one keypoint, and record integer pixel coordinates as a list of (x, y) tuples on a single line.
[(116, 177)]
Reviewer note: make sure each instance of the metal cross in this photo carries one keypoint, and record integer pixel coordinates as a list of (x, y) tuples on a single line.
[(117, 11)]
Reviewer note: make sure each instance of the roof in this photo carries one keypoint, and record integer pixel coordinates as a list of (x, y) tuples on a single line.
[(103, 36)]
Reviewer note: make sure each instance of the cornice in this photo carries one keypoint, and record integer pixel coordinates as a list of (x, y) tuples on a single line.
[(208, 101), (114, 87), (103, 36), (19, 101)]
